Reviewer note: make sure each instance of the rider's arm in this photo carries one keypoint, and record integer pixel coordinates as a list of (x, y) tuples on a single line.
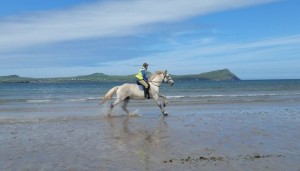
[(144, 73)]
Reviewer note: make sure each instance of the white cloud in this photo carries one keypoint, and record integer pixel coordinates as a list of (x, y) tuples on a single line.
[(268, 56), (107, 19), (276, 57)]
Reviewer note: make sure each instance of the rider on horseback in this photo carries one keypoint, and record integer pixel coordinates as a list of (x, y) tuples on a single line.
[(143, 80)]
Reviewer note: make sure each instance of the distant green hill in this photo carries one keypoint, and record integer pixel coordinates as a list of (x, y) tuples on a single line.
[(218, 75), (15, 78)]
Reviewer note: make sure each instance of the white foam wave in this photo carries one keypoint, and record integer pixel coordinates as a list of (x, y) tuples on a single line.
[(226, 95), (83, 99), (76, 100), (86, 99), (176, 97), (58, 99), (40, 119), (39, 101)]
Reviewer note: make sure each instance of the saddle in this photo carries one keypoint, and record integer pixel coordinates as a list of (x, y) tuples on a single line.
[(146, 91)]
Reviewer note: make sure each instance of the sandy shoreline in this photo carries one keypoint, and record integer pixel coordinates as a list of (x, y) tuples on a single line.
[(256, 137)]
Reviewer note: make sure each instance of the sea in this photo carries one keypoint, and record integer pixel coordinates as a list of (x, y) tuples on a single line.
[(30, 100)]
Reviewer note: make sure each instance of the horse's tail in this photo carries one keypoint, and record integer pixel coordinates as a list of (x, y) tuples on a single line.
[(109, 94)]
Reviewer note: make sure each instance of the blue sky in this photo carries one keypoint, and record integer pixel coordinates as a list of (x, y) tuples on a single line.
[(255, 39)]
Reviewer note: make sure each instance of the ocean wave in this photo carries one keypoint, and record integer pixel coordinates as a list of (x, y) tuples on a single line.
[(83, 99), (171, 97), (76, 100), (62, 100), (227, 95), (39, 101), (40, 119), (176, 97)]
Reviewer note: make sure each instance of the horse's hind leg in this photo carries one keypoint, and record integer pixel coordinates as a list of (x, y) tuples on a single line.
[(124, 106), (117, 101)]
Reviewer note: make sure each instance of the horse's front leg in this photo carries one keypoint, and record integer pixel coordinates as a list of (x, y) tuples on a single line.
[(156, 98), (164, 99)]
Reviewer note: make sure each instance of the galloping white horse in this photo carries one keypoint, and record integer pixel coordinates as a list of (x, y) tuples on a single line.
[(127, 91)]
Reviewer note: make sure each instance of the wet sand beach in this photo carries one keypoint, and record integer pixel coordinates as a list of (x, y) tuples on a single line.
[(235, 136)]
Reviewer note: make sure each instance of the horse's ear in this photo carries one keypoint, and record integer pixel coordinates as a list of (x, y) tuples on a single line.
[(166, 71)]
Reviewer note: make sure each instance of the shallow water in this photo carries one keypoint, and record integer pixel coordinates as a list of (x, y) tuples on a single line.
[(254, 137), (227, 130)]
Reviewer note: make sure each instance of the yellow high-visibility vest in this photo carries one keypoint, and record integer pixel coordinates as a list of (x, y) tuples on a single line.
[(139, 75)]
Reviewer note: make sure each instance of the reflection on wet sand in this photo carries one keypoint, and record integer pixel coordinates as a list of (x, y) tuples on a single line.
[(142, 142), (216, 140)]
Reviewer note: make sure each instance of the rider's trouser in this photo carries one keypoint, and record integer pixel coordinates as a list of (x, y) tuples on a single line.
[(143, 82), (146, 88)]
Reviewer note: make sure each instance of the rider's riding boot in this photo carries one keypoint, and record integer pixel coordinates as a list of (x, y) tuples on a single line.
[(146, 92)]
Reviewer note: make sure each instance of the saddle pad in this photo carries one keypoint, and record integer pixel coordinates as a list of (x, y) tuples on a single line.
[(141, 87)]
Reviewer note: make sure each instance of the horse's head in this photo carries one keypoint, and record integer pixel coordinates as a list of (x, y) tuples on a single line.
[(163, 77), (167, 78)]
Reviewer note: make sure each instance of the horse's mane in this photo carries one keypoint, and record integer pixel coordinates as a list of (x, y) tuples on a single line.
[(156, 73)]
